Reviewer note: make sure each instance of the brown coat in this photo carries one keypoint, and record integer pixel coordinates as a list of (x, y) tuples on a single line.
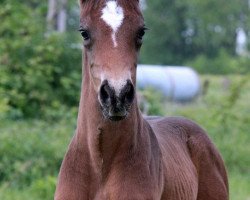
[(139, 159), (134, 158)]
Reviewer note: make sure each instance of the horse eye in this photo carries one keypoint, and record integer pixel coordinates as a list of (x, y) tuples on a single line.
[(85, 34), (141, 33)]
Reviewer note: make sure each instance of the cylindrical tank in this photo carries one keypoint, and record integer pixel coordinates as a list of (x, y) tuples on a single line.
[(174, 82)]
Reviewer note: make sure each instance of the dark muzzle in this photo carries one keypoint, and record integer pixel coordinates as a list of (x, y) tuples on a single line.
[(116, 105)]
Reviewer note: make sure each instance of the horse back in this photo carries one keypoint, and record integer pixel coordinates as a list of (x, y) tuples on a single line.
[(190, 159)]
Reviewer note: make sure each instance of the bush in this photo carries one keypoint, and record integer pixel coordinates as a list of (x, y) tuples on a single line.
[(32, 150), (37, 70), (222, 64), (151, 102), (44, 188), (40, 189)]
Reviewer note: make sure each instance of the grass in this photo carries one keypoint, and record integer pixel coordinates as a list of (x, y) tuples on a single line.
[(31, 150)]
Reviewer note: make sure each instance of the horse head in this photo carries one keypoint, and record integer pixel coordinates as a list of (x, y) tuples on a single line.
[(112, 34)]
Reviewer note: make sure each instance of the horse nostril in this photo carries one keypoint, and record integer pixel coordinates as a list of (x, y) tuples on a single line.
[(115, 107), (128, 92), (104, 92)]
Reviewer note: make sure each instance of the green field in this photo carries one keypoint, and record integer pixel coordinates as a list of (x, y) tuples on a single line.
[(31, 150)]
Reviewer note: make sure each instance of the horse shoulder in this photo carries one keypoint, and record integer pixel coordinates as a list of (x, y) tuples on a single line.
[(74, 180), (212, 176), (213, 183)]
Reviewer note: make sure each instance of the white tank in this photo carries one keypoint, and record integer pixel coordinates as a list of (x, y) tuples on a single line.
[(174, 82)]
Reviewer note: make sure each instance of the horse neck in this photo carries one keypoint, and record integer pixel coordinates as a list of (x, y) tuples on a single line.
[(105, 140)]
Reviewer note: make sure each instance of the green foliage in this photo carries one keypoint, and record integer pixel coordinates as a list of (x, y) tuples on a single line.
[(152, 102), (40, 73), (40, 189), (44, 188), (214, 29), (224, 63), (38, 70), (164, 43), (31, 151), (225, 113), (182, 30)]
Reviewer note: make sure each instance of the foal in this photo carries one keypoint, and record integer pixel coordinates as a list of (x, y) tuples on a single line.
[(116, 154)]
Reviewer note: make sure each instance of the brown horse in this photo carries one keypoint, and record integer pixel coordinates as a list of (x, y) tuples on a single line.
[(116, 154)]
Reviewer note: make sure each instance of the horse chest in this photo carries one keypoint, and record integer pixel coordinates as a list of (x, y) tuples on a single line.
[(127, 185)]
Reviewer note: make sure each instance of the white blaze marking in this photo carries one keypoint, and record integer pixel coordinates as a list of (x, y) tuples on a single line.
[(118, 84), (112, 15)]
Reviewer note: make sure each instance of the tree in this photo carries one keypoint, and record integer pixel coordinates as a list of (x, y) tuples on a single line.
[(182, 30), (37, 70), (164, 42), (57, 15)]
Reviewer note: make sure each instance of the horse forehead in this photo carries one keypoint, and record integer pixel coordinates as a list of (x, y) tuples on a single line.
[(113, 14)]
